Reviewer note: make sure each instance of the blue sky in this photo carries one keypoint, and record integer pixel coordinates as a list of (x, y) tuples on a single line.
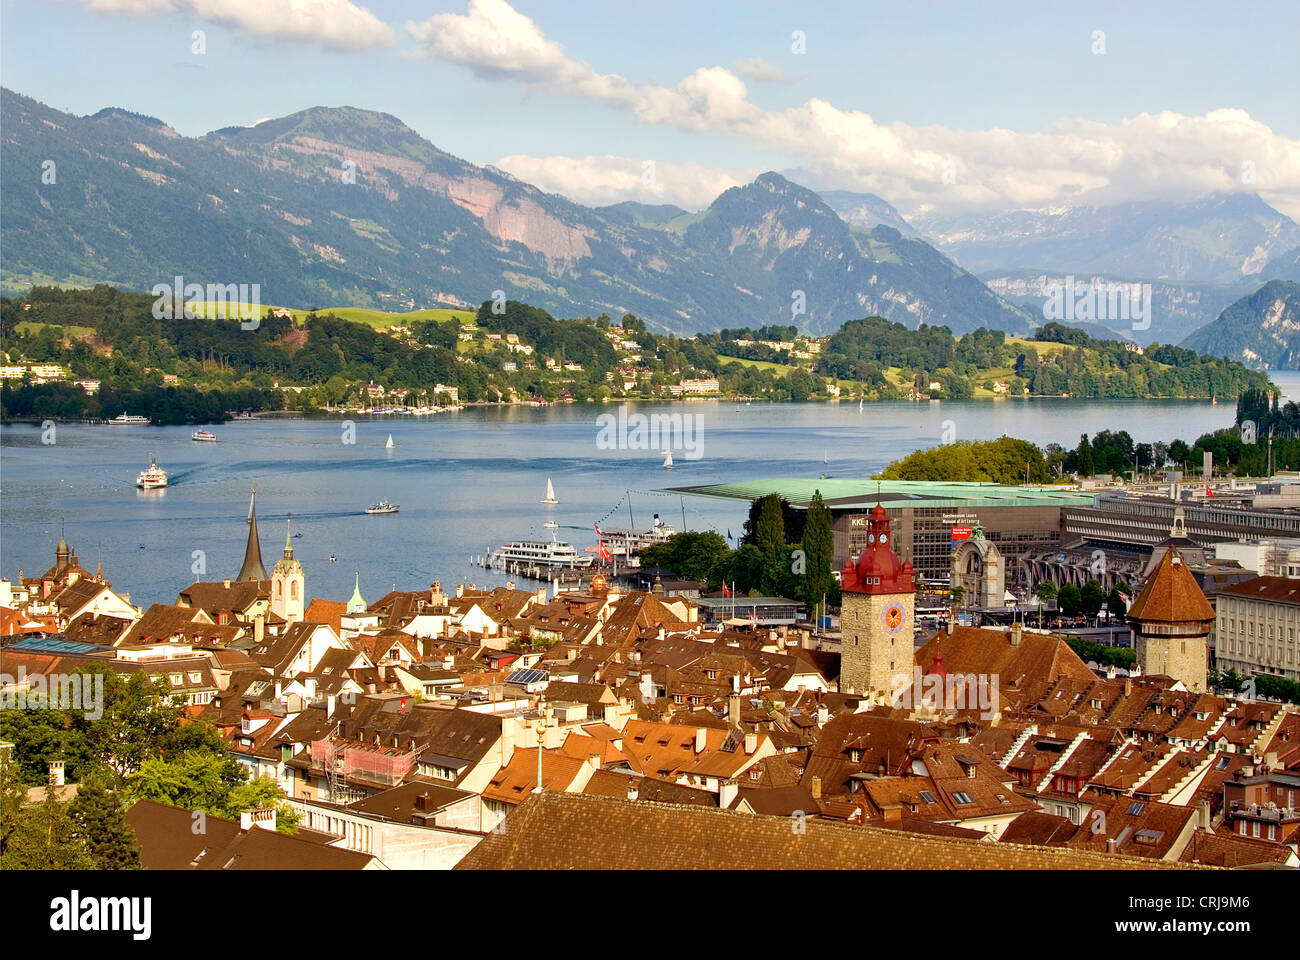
[(1009, 99)]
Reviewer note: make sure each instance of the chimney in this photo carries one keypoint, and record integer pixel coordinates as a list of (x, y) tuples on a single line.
[(701, 739), (892, 813), (226, 582), (1128, 686), (751, 742), (56, 773), (262, 817), (259, 628), (1203, 815), (330, 702), (727, 791), (823, 715), (310, 684), (816, 788), (1112, 845), (633, 789), (1015, 634), (279, 690), (733, 710), (594, 760)]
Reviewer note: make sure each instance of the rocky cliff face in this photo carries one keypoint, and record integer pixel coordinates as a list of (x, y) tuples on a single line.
[(1261, 330)]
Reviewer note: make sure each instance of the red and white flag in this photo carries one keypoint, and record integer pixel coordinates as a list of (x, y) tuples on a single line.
[(725, 591), (604, 553), (1208, 492)]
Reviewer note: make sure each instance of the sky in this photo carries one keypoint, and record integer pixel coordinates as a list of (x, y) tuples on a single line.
[(941, 107)]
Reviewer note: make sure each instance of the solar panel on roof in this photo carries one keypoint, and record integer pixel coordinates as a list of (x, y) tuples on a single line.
[(57, 645), (527, 676)]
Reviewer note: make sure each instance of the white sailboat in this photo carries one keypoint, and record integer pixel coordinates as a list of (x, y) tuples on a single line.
[(826, 457), (859, 405), (550, 493), (668, 459), (389, 444)]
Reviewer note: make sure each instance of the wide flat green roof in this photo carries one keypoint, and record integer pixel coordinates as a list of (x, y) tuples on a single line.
[(851, 493)]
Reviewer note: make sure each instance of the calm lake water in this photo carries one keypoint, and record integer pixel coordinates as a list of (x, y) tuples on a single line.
[(466, 482)]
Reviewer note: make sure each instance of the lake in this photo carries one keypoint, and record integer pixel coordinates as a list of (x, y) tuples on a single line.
[(466, 482)]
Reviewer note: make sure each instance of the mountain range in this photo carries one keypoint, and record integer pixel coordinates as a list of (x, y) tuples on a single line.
[(1261, 330), (347, 207), (1199, 256)]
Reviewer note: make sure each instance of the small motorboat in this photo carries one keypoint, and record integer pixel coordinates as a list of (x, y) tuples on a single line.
[(383, 506)]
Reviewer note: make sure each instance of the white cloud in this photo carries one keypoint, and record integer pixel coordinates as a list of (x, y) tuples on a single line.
[(599, 180), (759, 70), (336, 24), (916, 168)]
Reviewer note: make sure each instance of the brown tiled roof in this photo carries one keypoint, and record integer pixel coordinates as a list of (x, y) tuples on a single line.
[(1273, 589), (584, 832), (326, 611), (1039, 657), (1231, 850), (97, 628), (215, 597), (167, 842), (517, 779), (1171, 595)]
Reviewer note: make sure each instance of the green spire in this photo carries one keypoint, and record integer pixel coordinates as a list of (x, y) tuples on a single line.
[(356, 604), (288, 545)]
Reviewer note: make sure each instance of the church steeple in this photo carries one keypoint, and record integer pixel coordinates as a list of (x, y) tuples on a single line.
[(288, 584), (356, 604), (252, 568)]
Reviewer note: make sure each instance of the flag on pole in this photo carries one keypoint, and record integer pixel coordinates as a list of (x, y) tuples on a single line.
[(725, 591), (1208, 492), (604, 552)]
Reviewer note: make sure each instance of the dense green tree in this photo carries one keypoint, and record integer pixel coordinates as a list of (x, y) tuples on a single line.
[(1091, 598), (818, 547), (1069, 600), (100, 819), (769, 537), (40, 835), (211, 782), (1083, 458)]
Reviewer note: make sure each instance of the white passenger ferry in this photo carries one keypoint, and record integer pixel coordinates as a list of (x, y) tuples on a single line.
[(556, 554), (153, 478)]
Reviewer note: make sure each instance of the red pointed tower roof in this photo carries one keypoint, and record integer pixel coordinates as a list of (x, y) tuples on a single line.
[(878, 569), (1171, 597)]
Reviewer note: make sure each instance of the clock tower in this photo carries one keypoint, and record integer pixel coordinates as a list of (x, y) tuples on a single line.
[(876, 617)]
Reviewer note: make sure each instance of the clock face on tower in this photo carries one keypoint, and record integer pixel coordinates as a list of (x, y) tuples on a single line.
[(893, 617)]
